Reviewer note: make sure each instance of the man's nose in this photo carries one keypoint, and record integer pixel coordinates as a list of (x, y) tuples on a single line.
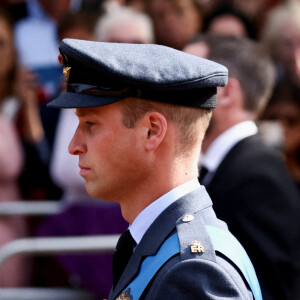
[(77, 146)]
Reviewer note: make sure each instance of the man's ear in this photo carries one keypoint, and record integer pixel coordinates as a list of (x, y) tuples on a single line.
[(231, 94), (157, 127)]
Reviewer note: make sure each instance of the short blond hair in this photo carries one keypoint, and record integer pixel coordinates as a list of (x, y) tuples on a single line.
[(191, 122)]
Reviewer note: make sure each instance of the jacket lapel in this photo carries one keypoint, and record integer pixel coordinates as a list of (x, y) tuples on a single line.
[(159, 231)]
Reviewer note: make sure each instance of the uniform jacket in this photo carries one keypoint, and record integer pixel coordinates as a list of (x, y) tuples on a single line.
[(187, 275), (253, 193)]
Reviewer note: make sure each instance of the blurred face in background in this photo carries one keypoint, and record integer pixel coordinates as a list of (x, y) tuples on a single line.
[(288, 114), (56, 8), (227, 25), (255, 7), (175, 21), (78, 32), (287, 50), (200, 49), (126, 32), (6, 48)]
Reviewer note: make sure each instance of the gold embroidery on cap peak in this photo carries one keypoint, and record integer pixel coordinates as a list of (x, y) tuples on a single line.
[(66, 72)]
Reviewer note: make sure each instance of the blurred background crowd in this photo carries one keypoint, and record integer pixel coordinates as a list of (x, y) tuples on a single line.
[(34, 160)]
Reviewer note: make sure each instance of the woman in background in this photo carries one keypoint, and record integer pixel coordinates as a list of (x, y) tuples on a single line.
[(11, 152)]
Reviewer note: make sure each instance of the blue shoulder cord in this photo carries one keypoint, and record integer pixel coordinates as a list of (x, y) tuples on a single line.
[(223, 242)]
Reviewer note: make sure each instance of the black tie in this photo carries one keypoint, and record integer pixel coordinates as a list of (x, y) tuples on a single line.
[(203, 173), (124, 250)]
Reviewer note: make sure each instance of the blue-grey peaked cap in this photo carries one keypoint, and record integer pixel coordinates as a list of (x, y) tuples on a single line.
[(100, 73)]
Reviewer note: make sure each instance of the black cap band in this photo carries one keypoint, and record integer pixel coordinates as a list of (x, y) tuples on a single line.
[(204, 97)]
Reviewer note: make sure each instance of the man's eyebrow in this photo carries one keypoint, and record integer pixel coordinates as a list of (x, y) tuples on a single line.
[(79, 113)]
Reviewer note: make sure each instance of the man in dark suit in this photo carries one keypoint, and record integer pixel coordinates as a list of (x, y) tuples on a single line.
[(247, 181), (143, 111)]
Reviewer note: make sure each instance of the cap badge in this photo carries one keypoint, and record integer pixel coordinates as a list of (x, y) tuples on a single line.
[(66, 72), (125, 295), (197, 247)]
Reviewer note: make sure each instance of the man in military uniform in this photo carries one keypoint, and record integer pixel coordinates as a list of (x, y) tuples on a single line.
[(143, 111)]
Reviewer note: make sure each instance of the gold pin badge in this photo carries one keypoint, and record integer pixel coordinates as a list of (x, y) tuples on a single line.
[(197, 247), (125, 295), (66, 72), (188, 218)]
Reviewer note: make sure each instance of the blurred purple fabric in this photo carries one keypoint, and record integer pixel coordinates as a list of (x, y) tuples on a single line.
[(92, 272)]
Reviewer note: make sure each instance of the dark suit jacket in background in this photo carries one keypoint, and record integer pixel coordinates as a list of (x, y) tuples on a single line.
[(253, 193), (187, 275)]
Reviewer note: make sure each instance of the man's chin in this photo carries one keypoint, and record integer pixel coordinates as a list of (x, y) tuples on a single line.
[(98, 194), (91, 191)]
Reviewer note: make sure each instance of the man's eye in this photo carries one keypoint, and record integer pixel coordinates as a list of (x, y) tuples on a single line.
[(89, 123)]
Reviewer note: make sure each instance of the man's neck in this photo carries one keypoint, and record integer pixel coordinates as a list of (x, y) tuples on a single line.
[(153, 189), (219, 127), (225, 142), (146, 217), (212, 134)]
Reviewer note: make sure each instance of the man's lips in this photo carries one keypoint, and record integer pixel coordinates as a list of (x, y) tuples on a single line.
[(83, 170)]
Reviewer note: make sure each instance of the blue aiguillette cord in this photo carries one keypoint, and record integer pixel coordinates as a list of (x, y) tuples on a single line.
[(228, 245), (223, 242), (152, 264)]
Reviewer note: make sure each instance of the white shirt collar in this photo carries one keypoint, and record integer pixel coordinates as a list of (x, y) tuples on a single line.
[(224, 142), (143, 221)]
